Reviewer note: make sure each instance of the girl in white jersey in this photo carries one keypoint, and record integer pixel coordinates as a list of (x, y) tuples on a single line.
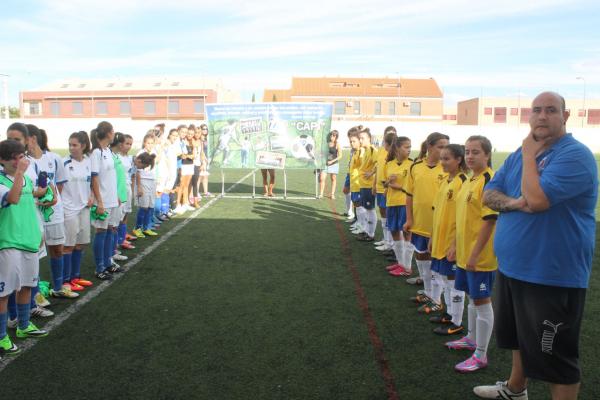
[(105, 211), (116, 147), (77, 199), (123, 147), (145, 188), (51, 165), (166, 173)]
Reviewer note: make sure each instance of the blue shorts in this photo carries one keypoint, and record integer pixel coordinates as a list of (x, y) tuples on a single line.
[(420, 242), (443, 267), (478, 284), (347, 181), (367, 200), (396, 218), (355, 197), (380, 200)]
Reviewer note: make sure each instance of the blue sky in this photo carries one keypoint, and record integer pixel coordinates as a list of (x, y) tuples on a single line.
[(490, 47)]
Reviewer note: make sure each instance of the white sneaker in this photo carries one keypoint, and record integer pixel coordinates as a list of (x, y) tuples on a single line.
[(350, 218), (356, 231), (383, 247), (41, 301), (381, 242), (189, 208), (12, 323), (499, 391), (179, 210), (120, 257), (41, 312)]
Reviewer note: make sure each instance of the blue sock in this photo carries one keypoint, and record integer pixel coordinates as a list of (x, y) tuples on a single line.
[(164, 203), (147, 218), (76, 263), (56, 266), (122, 232), (12, 305), (157, 205), (108, 248), (3, 320), (99, 241), (67, 267), (34, 290), (141, 216), (115, 240), (23, 311)]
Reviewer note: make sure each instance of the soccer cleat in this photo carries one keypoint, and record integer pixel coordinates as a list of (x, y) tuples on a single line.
[(161, 218), (471, 364), (150, 232), (430, 307), (365, 238), (81, 282), (31, 331), (380, 243), (126, 245), (120, 257), (7, 347), (444, 318), (447, 330), (40, 300), (103, 276), (393, 266), (12, 323), (463, 343), (40, 312), (73, 287), (138, 233), (421, 299), (63, 293), (499, 391), (414, 281), (383, 247), (400, 271), (389, 252), (114, 268), (130, 238)]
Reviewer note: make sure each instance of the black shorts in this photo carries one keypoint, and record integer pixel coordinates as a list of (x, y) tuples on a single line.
[(543, 322)]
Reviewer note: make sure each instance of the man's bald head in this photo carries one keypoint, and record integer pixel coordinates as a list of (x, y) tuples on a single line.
[(556, 96)]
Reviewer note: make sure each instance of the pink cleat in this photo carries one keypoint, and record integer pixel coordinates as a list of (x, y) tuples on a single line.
[(471, 364), (399, 271), (393, 266), (462, 344)]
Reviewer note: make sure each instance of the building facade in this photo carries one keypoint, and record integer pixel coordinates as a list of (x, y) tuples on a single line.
[(364, 99), (123, 98), (516, 111)]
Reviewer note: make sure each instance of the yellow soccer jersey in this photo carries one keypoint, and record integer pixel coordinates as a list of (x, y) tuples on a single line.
[(354, 171), (444, 216), (368, 163), (423, 184), (381, 156), (396, 197), (470, 214)]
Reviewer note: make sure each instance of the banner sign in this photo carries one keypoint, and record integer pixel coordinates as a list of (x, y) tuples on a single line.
[(268, 135)]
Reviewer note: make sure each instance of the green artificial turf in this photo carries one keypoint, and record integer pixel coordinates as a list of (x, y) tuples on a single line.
[(258, 299)]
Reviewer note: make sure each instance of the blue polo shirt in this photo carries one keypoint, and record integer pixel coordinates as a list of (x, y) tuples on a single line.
[(553, 247)]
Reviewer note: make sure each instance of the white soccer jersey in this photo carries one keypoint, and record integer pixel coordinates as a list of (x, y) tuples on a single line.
[(148, 172), (52, 164), (128, 166), (76, 191), (103, 166)]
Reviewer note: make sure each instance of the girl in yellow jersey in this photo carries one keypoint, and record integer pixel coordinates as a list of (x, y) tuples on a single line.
[(366, 178), (388, 138), (347, 195), (475, 258), (442, 247), (396, 174), (426, 175), (353, 172)]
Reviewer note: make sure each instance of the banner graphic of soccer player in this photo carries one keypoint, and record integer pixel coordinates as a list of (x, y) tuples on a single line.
[(290, 135)]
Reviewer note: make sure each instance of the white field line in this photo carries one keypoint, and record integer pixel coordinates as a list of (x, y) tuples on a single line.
[(72, 309)]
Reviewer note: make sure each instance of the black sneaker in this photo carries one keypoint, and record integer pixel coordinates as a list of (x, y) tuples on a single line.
[(365, 238), (103, 276), (444, 318), (388, 252), (447, 330), (113, 269), (391, 258)]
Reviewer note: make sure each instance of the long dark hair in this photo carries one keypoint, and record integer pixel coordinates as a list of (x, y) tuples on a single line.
[(83, 139), (458, 151), (330, 134), (34, 131), (103, 129), (431, 140), (486, 146), (118, 139), (396, 144), (146, 159)]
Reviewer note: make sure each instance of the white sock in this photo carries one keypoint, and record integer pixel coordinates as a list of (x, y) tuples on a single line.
[(360, 217), (349, 205), (471, 320), (372, 222), (425, 270), (485, 325), (398, 250), (383, 230), (437, 285), (409, 249), (457, 305)]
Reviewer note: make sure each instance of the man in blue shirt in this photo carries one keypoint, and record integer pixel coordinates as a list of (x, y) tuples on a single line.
[(546, 193)]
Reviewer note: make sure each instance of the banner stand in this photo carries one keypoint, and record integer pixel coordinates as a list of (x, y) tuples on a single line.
[(253, 195)]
